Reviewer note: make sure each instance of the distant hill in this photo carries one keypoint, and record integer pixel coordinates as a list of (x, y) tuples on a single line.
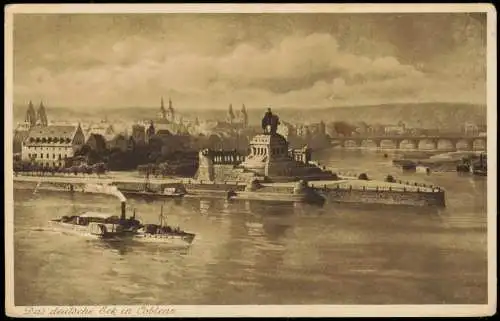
[(425, 115), (429, 115)]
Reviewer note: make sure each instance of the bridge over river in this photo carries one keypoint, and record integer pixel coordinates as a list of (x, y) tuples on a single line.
[(442, 142)]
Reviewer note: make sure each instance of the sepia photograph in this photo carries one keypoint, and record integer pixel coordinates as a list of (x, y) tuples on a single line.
[(250, 160)]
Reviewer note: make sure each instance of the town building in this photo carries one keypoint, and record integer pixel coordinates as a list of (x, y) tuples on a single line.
[(41, 116), (398, 129), (167, 114), (239, 120), (286, 130), (471, 128), (103, 128), (167, 121), (31, 119), (139, 134), (52, 145)]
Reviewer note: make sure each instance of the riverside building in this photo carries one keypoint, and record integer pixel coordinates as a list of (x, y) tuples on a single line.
[(52, 145)]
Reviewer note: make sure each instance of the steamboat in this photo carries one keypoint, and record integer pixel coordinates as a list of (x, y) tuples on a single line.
[(107, 226), (97, 225)]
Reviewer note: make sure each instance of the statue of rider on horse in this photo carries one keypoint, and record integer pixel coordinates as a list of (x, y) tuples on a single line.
[(270, 122)]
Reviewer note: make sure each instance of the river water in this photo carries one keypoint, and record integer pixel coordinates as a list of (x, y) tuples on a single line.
[(264, 253)]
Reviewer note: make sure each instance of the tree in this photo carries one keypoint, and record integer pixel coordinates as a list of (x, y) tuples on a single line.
[(343, 128), (363, 176), (83, 151), (390, 179)]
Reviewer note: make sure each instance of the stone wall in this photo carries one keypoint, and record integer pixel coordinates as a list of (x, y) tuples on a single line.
[(385, 197), (215, 187), (49, 186)]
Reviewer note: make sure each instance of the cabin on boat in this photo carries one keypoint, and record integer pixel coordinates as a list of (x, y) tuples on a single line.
[(91, 217)]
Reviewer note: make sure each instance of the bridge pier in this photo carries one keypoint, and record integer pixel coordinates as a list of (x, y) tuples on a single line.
[(469, 145), (433, 142)]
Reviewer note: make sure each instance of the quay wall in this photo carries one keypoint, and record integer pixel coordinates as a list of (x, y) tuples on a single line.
[(214, 187), (49, 186), (339, 194), (412, 198)]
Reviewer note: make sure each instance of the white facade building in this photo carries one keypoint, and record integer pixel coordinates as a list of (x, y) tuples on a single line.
[(52, 145)]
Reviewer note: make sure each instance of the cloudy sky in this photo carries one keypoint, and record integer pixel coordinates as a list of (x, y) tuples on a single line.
[(211, 60)]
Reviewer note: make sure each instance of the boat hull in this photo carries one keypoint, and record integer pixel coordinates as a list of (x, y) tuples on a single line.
[(174, 240)]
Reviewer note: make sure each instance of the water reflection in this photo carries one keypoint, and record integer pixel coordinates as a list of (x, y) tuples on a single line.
[(127, 247), (205, 206)]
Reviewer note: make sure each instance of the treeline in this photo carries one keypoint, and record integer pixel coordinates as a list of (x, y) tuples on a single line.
[(41, 170), (173, 162)]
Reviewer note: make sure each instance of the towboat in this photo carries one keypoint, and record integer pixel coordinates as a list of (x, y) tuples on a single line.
[(96, 225), (162, 233), (111, 227)]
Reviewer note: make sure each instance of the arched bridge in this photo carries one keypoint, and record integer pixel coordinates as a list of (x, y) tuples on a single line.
[(454, 141)]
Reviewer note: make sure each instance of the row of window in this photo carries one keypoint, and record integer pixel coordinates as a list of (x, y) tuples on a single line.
[(59, 156), (51, 164), (50, 140), (263, 151), (41, 148)]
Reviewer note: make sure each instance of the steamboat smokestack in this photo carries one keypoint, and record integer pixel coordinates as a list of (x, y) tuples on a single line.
[(123, 216)]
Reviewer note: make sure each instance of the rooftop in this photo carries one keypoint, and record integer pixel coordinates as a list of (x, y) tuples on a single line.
[(53, 131)]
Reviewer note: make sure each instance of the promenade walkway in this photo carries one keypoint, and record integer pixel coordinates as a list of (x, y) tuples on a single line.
[(93, 178)]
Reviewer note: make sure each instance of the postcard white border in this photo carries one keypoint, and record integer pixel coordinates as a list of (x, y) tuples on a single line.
[(252, 310)]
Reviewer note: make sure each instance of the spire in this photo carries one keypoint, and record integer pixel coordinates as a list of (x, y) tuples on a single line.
[(42, 116), (162, 109), (171, 112), (30, 114), (197, 121), (151, 129), (170, 106), (244, 116), (230, 113)]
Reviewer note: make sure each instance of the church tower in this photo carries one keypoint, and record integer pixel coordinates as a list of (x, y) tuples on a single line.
[(163, 112), (150, 132), (42, 115), (244, 116), (230, 114), (30, 115), (171, 112)]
